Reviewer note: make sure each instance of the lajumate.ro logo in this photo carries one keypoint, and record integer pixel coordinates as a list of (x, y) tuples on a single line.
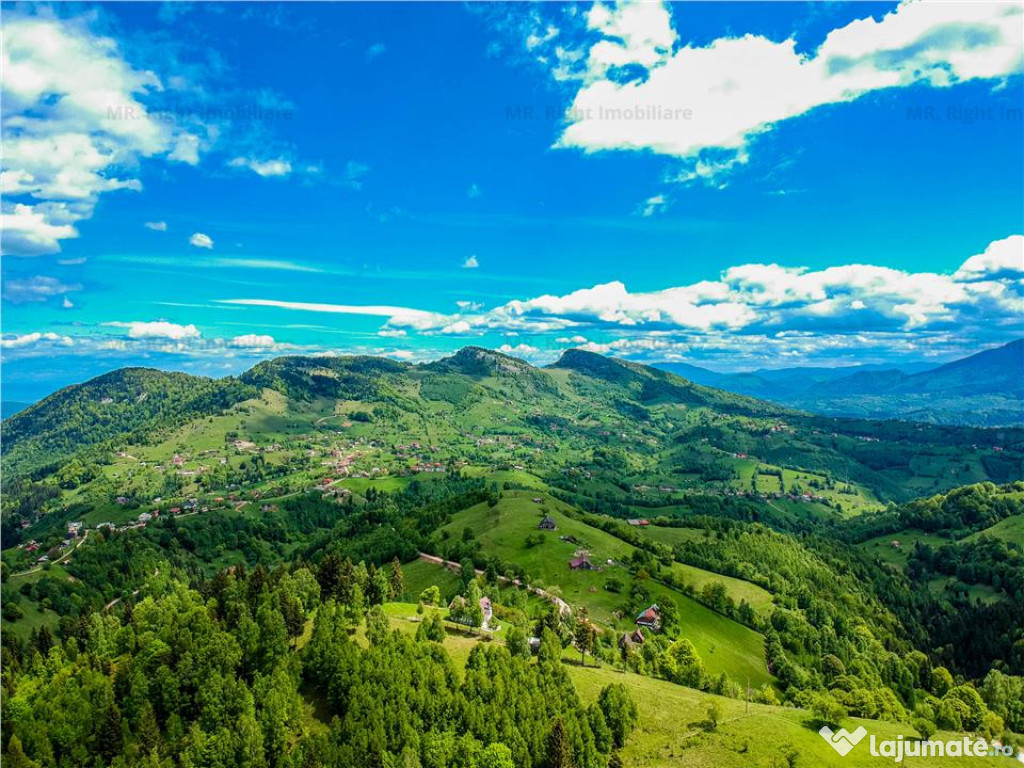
[(842, 741)]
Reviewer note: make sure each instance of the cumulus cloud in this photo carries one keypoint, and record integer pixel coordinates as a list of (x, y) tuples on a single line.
[(157, 329), (156, 226), (642, 91), (14, 340), (200, 240), (770, 298), (471, 262), (1003, 259), (38, 288), (527, 351), (74, 124), (36, 230)]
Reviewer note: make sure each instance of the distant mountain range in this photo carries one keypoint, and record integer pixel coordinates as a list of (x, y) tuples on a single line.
[(986, 389)]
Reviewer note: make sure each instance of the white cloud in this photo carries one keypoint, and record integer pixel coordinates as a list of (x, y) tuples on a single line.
[(253, 340), (519, 350), (715, 98), (156, 226), (471, 262), (404, 316), (469, 306), (200, 240), (74, 122), (277, 167), (72, 262), (158, 329), (635, 33), (1002, 258), (29, 231), (653, 205), (66, 303), (761, 298), (39, 288), (13, 340), (813, 310)]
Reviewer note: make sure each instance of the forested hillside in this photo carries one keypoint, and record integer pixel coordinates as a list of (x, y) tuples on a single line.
[(230, 551)]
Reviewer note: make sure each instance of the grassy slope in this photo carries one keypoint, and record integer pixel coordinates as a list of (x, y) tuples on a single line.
[(665, 737), (1011, 529), (724, 645), (668, 734)]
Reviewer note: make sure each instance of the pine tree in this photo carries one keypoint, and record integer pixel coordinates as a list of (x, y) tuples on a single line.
[(16, 757), (148, 730), (397, 579), (110, 739), (559, 751)]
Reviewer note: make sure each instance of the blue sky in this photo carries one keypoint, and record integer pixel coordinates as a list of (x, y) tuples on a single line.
[(733, 185)]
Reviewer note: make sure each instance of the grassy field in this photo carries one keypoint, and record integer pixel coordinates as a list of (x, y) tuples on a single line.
[(1011, 529), (669, 734), (418, 575), (724, 645), (883, 548), (759, 599)]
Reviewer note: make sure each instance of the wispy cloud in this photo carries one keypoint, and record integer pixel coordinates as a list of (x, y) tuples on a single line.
[(270, 168), (653, 205), (35, 289), (355, 172)]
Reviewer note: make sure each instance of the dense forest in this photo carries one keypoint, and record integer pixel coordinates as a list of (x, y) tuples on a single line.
[(221, 676)]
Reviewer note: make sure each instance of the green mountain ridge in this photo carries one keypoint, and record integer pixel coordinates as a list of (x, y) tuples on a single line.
[(985, 389)]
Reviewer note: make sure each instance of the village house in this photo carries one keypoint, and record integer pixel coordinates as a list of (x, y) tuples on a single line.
[(582, 562), (547, 524), (651, 618), (630, 640)]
